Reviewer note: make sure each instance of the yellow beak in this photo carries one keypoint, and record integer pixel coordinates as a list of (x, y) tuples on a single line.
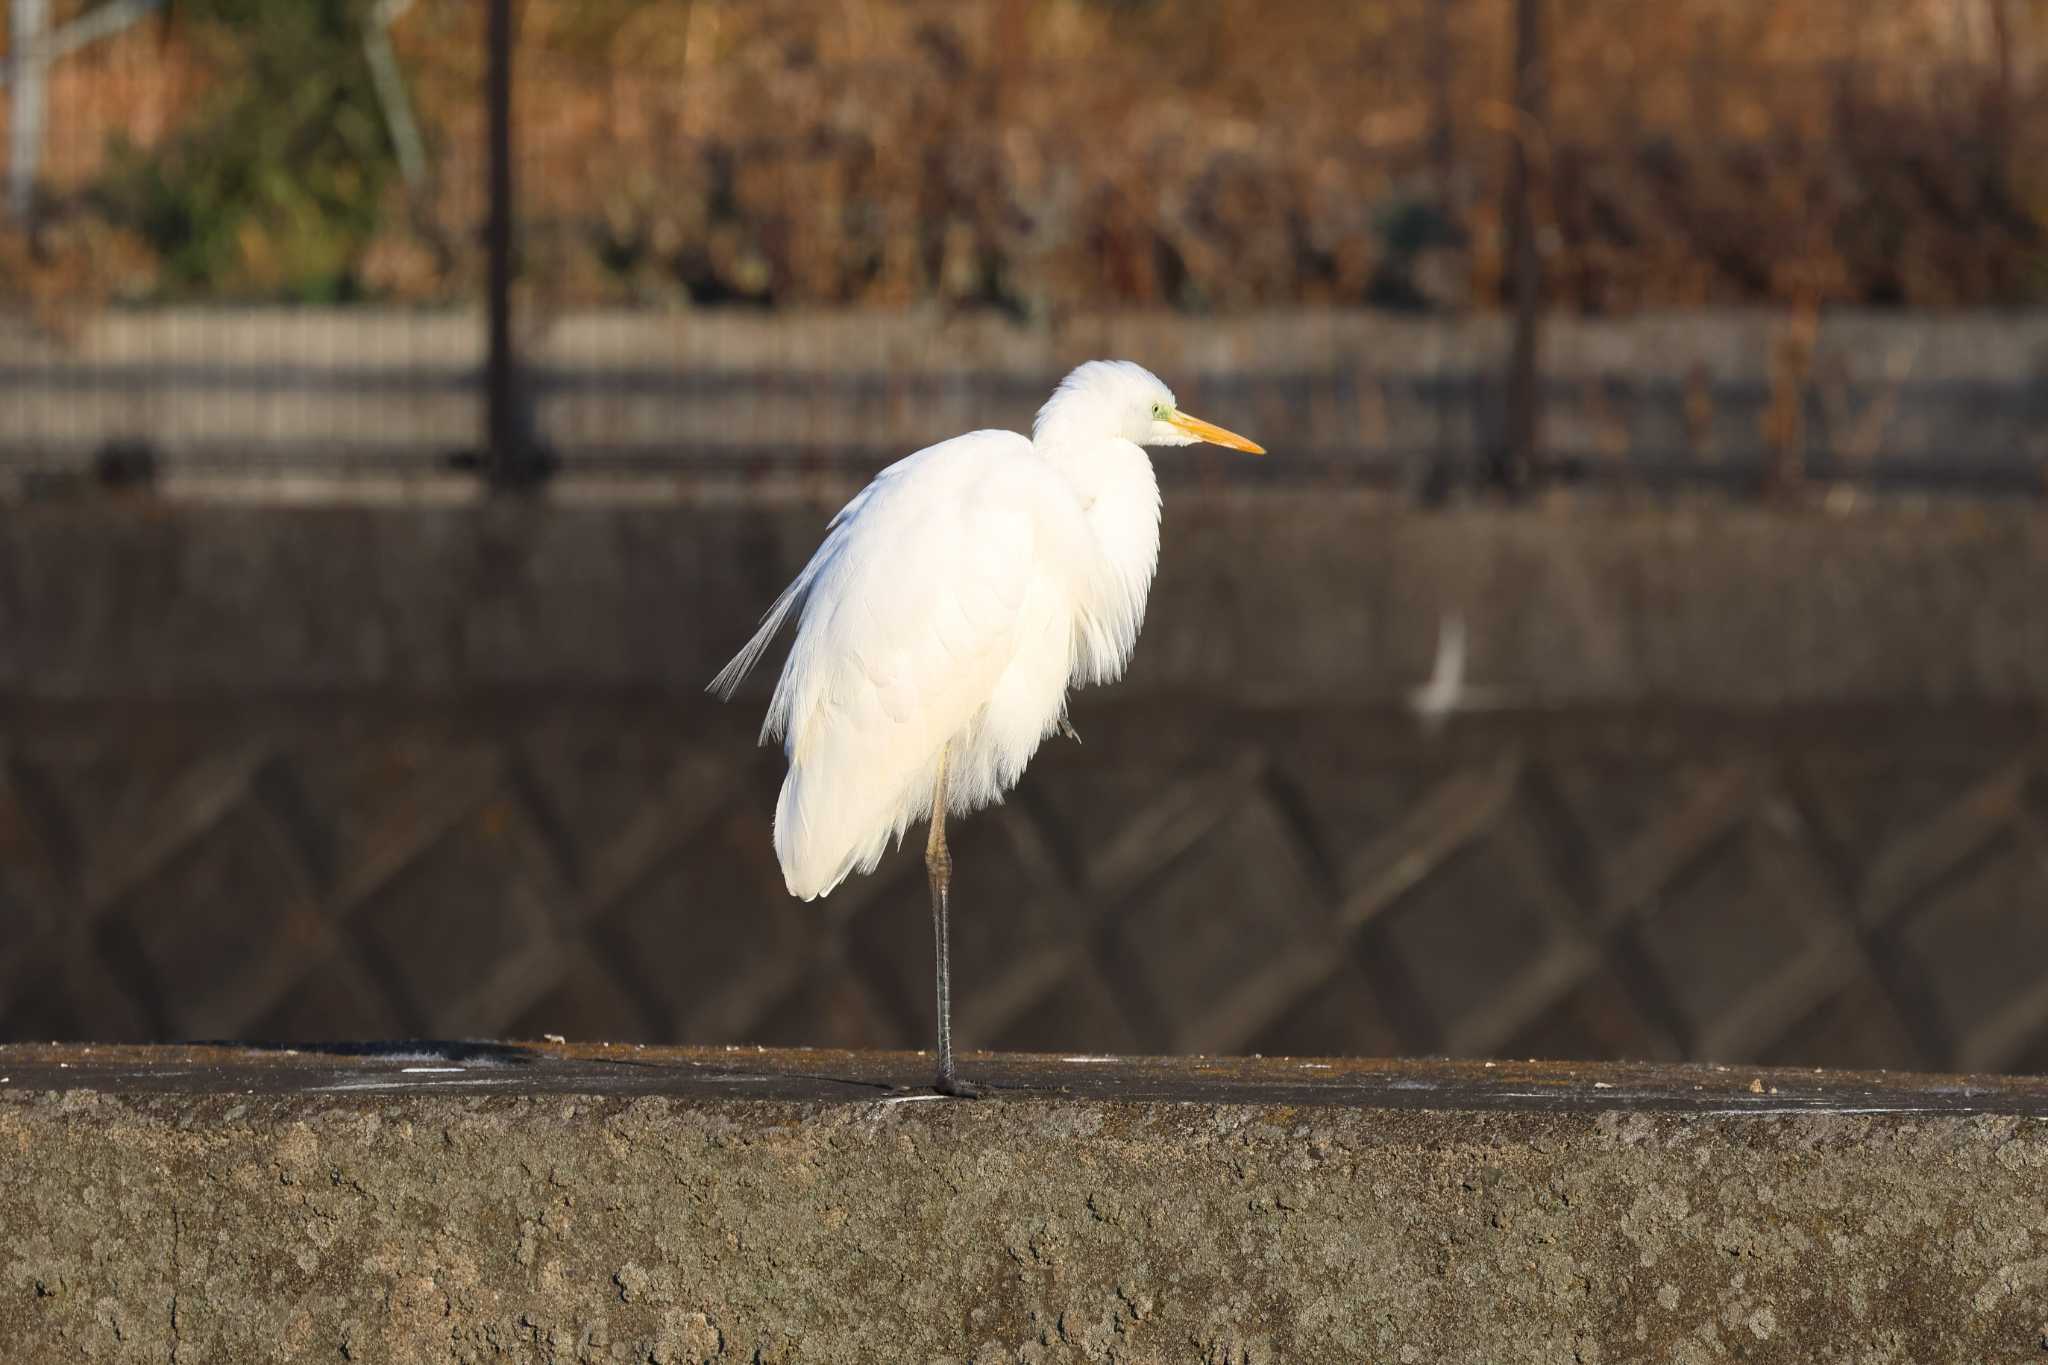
[(1213, 434)]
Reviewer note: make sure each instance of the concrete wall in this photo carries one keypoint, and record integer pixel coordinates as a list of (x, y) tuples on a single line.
[(1735, 785), (638, 1206), (1271, 598)]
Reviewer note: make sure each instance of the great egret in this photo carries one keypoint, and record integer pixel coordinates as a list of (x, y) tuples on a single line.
[(952, 605)]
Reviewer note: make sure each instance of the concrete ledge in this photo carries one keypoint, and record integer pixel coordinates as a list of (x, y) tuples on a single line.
[(638, 1205)]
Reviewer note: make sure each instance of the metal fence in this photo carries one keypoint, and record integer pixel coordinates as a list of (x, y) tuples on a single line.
[(1451, 245)]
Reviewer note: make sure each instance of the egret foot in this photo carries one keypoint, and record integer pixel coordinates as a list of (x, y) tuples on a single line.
[(949, 1084)]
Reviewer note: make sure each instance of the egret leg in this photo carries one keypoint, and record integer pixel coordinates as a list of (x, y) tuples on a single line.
[(938, 865)]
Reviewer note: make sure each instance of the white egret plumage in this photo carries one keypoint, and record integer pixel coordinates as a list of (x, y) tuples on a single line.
[(953, 604)]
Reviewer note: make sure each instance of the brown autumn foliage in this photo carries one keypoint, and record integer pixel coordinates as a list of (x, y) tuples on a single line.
[(1046, 155)]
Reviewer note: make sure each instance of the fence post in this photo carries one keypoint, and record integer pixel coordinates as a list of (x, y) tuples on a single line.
[(1521, 445), (30, 21), (502, 437), (2001, 57), (1449, 466), (1443, 157)]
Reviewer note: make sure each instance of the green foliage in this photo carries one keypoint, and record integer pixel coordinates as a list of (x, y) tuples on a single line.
[(273, 188)]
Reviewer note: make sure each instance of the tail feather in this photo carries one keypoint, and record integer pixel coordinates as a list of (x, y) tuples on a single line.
[(807, 875), (820, 843)]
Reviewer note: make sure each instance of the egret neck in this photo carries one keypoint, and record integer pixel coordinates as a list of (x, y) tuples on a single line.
[(1113, 480)]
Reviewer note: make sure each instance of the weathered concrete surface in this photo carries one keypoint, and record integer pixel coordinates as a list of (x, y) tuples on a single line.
[(625, 1205)]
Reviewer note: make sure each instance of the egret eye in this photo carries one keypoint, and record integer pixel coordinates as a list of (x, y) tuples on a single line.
[(1159, 411)]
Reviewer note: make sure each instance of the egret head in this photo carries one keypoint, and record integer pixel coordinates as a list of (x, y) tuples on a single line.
[(1119, 398)]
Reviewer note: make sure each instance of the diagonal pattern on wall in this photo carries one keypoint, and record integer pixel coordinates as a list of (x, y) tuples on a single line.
[(1198, 877)]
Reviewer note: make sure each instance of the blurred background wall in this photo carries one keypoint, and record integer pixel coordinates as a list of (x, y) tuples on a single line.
[(1632, 647)]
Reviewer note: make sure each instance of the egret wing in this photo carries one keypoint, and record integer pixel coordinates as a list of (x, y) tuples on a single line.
[(910, 613)]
